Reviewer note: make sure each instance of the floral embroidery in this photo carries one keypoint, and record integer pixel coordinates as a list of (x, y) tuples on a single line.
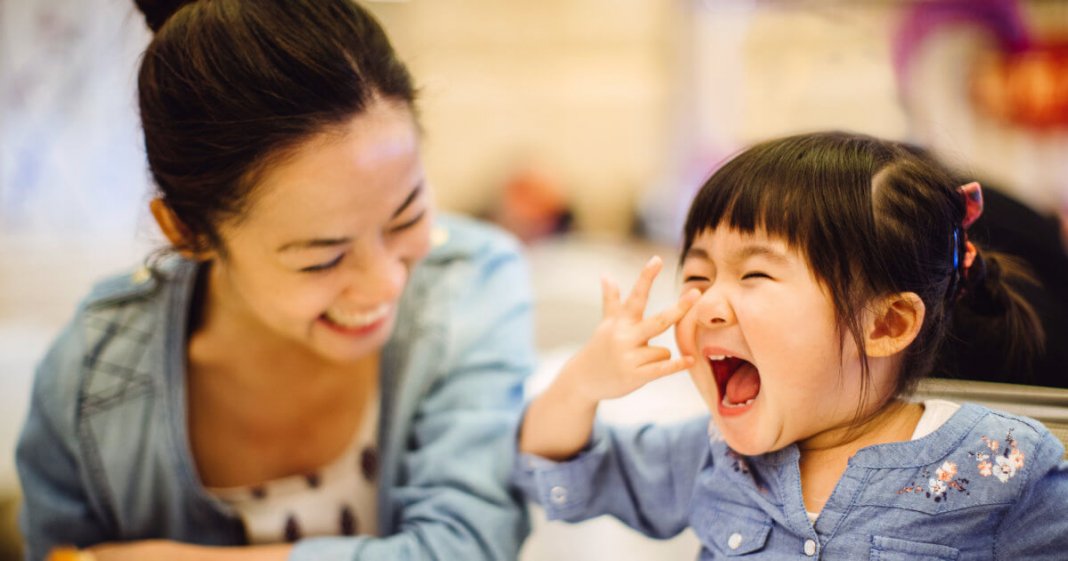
[(1003, 465), (939, 485), (995, 459)]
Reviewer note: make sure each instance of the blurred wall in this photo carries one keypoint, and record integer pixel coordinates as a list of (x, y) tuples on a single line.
[(625, 105)]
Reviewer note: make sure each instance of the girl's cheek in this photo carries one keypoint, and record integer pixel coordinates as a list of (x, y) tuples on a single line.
[(685, 335)]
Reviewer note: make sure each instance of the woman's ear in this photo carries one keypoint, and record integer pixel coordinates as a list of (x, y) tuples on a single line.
[(894, 324), (176, 232)]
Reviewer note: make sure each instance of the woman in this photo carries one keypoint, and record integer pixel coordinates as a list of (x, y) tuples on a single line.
[(319, 370)]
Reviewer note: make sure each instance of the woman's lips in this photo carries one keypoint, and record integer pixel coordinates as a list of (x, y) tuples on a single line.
[(356, 323)]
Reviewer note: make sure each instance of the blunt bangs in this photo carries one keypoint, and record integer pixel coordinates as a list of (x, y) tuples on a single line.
[(812, 191)]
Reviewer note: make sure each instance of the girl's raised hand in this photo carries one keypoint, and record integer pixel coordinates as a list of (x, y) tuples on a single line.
[(618, 358)]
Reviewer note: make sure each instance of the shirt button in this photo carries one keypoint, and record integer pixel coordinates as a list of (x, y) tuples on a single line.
[(558, 495), (438, 237), (734, 541), (810, 547), (141, 275)]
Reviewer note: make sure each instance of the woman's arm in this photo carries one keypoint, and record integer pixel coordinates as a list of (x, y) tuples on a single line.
[(173, 551), (56, 508)]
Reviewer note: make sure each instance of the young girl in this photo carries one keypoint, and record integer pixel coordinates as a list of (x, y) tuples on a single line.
[(819, 272), (320, 369)]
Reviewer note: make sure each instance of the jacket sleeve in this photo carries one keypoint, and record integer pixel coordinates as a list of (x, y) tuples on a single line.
[(56, 508), (1036, 527), (643, 475), (456, 502)]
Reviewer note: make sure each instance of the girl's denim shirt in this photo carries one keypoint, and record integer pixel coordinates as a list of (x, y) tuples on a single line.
[(105, 456), (986, 485)]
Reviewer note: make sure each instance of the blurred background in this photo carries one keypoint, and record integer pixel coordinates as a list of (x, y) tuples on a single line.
[(584, 127)]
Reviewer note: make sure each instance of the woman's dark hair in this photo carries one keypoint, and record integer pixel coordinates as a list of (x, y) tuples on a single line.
[(229, 86), (872, 217)]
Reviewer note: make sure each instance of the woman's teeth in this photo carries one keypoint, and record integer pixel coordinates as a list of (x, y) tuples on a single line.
[(360, 319)]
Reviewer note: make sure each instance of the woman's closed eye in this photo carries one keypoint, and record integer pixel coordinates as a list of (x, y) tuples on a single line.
[(408, 224), (323, 266)]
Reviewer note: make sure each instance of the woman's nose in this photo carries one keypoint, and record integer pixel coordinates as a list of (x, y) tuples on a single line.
[(377, 276)]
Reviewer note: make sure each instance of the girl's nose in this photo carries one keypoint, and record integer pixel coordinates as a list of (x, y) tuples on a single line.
[(713, 309)]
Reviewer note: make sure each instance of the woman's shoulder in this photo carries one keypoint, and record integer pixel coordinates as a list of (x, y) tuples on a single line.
[(137, 284), (456, 237), (113, 323)]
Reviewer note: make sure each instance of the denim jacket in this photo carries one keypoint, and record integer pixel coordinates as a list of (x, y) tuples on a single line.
[(104, 454), (986, 485)]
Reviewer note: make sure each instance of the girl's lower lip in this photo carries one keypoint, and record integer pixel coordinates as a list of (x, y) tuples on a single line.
[(361, 331)]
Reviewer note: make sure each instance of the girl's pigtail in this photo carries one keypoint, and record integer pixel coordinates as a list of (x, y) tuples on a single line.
[(990, 294)]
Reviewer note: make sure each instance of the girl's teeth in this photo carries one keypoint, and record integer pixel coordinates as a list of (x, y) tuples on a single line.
[(345, 319), (727, 403), (718, 357)]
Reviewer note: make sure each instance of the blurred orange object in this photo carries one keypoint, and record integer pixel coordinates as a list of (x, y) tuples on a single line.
[(1027, 87), (70, 554)]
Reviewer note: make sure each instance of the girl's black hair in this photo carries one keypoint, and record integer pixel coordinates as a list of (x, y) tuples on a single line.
[(872, 217), (229, 86)]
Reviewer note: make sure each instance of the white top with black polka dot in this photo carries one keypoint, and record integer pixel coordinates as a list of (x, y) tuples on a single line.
[(339, 499)]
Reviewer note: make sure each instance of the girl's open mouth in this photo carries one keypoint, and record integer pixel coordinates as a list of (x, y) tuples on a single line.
[(738, 382)]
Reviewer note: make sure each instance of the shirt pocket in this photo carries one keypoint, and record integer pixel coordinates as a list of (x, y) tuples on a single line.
[(894, 549), (731, 530)]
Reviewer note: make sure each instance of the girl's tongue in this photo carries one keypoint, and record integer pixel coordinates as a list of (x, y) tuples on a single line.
[(744, 383), (738, 380)]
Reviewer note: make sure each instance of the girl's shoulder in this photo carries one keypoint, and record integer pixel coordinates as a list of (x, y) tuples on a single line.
[(997, 430)]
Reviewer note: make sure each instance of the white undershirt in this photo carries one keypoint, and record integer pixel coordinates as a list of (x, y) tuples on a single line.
[(337, 499), (935, 414)]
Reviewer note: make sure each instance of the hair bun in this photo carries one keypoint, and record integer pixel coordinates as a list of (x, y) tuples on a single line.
[(157, 12)]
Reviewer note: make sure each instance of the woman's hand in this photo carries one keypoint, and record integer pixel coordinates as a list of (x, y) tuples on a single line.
[(616, 361)]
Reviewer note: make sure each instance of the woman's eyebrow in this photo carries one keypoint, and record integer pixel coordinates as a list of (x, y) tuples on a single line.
[(313, 243)]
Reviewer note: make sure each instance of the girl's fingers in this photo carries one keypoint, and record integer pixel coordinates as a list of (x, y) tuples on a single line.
[(655, 325), (655, 370), (609, 297), (639, 295), (646, 355)]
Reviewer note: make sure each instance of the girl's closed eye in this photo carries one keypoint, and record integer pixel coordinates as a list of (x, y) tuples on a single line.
[(323, 266), (755, 275)]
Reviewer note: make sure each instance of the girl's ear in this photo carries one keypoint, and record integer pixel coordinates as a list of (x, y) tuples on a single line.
[(176, 232), (895, 321)]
